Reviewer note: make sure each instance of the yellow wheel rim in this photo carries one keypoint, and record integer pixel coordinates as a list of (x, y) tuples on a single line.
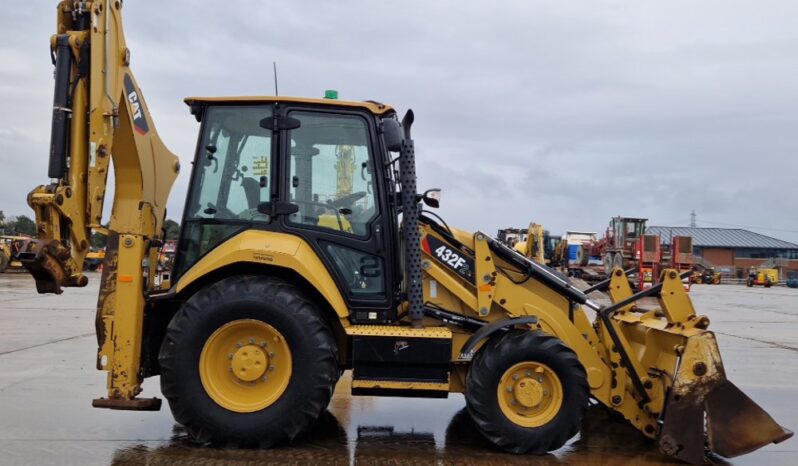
[(245, 365), (530, 394)]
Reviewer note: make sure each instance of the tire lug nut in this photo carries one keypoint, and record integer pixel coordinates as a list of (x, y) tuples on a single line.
[(263, 379), (271, 355), (529, 373), (271, 368), (509, 389), (251, 341), (230, 356), (515, 377), (239, 345), (540, 379)]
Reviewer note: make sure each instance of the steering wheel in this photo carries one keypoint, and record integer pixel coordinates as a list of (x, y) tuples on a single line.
[(328, 206), (348, 200)]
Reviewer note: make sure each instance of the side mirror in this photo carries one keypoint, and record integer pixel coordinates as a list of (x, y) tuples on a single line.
[(392, 133), (432, 197)]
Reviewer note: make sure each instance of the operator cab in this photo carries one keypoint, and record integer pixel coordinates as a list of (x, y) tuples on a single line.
[(314, 168)]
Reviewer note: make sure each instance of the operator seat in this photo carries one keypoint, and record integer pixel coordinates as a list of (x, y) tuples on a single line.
[(251, 191)]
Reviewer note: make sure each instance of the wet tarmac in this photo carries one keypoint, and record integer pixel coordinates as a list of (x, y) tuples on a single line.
[(47, 381)]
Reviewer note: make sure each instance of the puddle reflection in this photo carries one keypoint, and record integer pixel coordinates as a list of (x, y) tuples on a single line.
[(604, 439)]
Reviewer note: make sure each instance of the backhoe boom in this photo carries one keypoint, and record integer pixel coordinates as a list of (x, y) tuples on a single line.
[(100, 116)]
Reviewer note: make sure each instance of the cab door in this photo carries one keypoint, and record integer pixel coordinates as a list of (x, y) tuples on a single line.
[(334, 174)]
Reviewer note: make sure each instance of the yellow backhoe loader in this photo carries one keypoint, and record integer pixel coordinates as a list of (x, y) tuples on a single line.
[(291, 269), (534, 246)]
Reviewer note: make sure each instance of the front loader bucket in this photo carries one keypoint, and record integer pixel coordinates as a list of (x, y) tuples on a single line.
[(736, 425), (706, 413)]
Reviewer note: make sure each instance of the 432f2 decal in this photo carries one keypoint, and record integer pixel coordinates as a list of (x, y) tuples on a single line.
[(450, 257)]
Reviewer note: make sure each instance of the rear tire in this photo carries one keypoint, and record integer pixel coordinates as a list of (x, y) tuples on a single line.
[(219, 407), (617, 260), (607, 260), (3, 262), (582, 256), (545, 426)]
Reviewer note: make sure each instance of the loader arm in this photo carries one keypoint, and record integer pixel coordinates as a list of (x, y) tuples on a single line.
[(660, 368), (100, 117)]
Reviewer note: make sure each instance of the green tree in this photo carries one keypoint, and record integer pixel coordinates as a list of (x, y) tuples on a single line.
[(21, 225), (98, 240), (172, 229)]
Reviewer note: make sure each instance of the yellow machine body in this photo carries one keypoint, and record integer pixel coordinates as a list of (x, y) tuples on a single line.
[(658, 366)]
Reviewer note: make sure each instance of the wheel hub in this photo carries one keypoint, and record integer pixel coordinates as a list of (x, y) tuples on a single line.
[(528, 392), (249, 363), (245, 365)]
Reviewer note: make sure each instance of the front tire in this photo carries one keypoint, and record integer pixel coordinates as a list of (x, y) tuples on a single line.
[(248, 361), (527, 392)]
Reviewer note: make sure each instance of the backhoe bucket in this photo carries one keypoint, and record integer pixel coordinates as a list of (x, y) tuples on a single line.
[(50, 263), (705, 413)]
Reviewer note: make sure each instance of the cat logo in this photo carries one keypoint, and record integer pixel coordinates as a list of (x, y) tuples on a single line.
[(139, 122)]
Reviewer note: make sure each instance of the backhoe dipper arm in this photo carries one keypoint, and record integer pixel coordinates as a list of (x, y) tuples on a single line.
[(99, 115)]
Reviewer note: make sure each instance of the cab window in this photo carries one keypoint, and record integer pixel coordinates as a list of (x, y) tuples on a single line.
[(234, 165), (232, 176), (331, 178)]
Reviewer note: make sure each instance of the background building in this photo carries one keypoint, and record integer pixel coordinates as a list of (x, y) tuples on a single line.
[(732, 250)]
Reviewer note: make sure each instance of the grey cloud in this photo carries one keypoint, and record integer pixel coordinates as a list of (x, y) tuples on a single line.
[(564, 113)]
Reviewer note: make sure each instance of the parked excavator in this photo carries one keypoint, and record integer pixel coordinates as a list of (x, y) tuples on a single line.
[(283, 278)]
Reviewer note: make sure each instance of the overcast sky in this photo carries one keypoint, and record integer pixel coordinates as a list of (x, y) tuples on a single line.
[(562, 113)]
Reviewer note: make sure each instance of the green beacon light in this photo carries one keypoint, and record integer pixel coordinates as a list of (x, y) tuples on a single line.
[(331, 94)]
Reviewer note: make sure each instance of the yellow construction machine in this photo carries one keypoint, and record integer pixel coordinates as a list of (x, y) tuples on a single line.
[(762, 276), (539, 245), (270, 301), (706, 275), (9, 248)]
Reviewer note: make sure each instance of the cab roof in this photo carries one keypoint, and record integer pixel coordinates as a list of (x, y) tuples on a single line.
[(376, 108)]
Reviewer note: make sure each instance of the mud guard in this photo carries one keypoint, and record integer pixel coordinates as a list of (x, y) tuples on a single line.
[(490, 329)]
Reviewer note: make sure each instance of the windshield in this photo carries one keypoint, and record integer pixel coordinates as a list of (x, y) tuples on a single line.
[(233, 165), (232, 175)]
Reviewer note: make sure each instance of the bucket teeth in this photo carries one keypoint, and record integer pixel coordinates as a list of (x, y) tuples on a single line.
[(706, 413)]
